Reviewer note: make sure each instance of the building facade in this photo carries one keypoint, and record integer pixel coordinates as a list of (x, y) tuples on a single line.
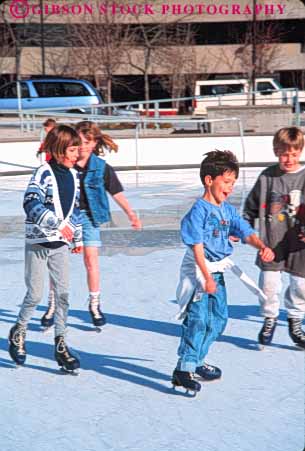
[(159, 41)]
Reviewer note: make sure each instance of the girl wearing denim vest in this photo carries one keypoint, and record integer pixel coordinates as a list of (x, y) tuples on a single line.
[(96, 179)]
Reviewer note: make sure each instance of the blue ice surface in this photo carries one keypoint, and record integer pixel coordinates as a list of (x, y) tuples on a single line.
[(122, 399)]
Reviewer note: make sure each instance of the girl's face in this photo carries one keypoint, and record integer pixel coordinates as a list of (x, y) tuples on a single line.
[(87, 146), (69, 158)]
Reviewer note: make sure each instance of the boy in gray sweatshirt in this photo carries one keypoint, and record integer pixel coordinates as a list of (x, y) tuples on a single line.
[(278, 201)]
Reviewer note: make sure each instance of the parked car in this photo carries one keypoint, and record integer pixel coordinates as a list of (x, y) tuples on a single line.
[(73, 95), (70, 95), (235, 92)]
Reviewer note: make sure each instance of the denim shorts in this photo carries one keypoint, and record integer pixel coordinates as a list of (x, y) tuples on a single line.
[(91, 233)]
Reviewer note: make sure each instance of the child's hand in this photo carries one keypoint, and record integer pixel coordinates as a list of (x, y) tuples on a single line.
[(135, 222), (67, 233), (77, 250), (210, 286), (266, 254)]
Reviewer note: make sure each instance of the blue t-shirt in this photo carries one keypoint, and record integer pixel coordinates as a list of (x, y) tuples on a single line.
[(212, 225)]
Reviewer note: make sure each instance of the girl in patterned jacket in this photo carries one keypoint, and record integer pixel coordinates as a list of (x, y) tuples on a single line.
[(51, 204)]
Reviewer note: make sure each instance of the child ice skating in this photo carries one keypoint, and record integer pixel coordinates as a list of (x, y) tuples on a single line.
[(48, 125), (205, 230), (51, 204), (278, 200)]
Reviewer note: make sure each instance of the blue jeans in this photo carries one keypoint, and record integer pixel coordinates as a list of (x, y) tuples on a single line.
[(37, 260), (205, 321)]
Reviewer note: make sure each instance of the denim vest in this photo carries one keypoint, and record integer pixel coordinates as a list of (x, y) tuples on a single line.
[(95, 190)]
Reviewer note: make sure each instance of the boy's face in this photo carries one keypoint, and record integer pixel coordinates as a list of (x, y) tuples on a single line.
[(289, 161), (69, 158), (219, 188)]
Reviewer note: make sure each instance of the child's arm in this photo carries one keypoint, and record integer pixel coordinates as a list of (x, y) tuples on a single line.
[(192, 234), (75, 221), (210, 285), (115, 189), (34, 202), (124, 204), (265, 253), (241, 228)]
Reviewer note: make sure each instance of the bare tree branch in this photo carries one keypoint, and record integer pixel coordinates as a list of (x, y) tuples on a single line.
[(268, 50), (101, 47)]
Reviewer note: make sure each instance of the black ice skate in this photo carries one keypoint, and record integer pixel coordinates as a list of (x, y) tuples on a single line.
[(186, 380), (67, 361), (296, 332), (98, 318), (16, 341), (266, 333), (207, 373), (47, 320)]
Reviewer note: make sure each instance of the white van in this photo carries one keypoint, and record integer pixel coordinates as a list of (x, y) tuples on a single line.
[(236, 92)]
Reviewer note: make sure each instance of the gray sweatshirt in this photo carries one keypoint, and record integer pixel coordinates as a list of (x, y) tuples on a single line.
[(278, 201)]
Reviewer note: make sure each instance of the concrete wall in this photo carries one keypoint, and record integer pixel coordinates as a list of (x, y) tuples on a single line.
[(151, 152), (217, 59), (260, 119)]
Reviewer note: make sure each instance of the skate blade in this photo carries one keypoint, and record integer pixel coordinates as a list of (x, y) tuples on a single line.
[(69, 372), (200, 379), (187, 393), (17, 366), (97, 329), (265, 347)]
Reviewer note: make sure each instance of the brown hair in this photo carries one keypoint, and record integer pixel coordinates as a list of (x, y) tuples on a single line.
[(92, 132), (288, 137), (59, 138), (217, 163), (50, 122)]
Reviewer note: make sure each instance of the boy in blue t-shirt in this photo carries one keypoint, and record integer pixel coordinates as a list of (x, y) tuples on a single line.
[(205, 230)]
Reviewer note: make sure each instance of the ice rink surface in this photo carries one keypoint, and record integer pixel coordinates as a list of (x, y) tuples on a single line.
[(122, 399)]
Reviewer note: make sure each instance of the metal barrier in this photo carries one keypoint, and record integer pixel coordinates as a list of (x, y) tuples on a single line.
[(141, 121), (27, 118)]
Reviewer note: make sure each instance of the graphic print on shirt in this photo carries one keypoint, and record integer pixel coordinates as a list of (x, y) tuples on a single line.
[(287, 207), (218, 225)]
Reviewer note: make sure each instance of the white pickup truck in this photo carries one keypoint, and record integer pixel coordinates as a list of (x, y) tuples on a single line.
[(236, 92)]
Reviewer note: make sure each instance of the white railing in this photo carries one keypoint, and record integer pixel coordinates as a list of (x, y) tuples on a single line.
[(140, 123), (289, 96)]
